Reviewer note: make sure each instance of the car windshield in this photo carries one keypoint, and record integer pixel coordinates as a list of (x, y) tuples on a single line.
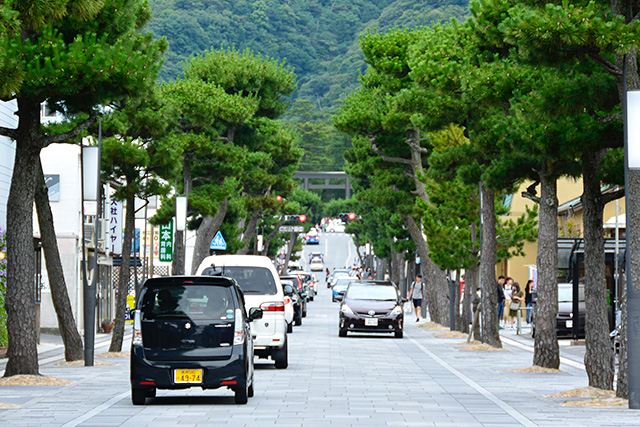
[(377, 293), (565, 293), (188, 300), (344, 281), (252, 280)]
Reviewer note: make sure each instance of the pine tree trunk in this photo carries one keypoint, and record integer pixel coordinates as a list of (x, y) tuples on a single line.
[(205, 233), (489, 306), (250, 232), (178, 264), (470, 286), (546, 350), (458, 316), (73, 348), (117, 333), (397, 259), (598, 358), (436, 286), (20, 296), (293, 237)]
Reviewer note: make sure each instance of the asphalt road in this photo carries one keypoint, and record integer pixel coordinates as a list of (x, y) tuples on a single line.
[(363, 380)]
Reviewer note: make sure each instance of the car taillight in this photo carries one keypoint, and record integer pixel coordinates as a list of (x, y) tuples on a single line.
[(238, 337), (272, 306), (287, 300), (137, 328)]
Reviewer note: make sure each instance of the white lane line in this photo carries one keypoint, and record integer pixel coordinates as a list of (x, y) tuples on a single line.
[(477, 387), (530, 349), (97, 410)]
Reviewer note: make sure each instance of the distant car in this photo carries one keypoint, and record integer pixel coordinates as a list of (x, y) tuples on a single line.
[(337, 275), (340, 287), (336, 227), (372, 306), (302, 291), (565, 318), (309, 282), (192, 331), (312, 237), (316, 264), (291, 292)]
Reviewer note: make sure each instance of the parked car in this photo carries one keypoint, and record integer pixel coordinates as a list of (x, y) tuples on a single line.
[(192, 332), (302, 291), (257, 277), (372, 306), (291, 291), (565, 318), (340, 287)]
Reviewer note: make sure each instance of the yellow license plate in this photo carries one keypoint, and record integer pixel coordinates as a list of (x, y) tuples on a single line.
[(182, 376)]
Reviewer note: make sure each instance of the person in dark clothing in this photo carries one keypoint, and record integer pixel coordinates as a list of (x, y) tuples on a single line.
[(528, 299), (500, 290)]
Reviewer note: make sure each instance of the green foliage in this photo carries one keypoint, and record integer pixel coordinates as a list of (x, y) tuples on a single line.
[(3, 288)]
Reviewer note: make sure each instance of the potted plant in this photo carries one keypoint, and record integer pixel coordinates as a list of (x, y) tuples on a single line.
[(107, 325)]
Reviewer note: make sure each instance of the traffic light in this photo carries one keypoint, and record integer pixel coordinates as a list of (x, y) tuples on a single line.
[(279, 198), (346, 217), (295, 218)]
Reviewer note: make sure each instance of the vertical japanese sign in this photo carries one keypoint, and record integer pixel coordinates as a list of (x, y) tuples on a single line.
[(115, 227), (166, 242)]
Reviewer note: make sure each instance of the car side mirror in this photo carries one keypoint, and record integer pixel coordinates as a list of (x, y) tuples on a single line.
[(255, 314)]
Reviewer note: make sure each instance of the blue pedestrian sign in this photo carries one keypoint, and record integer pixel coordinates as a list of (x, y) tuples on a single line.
[(218, 243)]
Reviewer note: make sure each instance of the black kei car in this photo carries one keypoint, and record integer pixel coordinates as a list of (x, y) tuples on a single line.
[(191, 331), (371, 306)]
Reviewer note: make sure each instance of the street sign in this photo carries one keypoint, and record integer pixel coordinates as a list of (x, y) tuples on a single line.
[(292, 228), (218, 243), (166, 242)]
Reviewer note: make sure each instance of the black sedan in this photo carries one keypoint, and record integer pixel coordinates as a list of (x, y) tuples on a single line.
[(371, 306)]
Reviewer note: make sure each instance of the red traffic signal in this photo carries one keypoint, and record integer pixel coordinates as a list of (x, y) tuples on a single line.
[(352, 216), (279, 198), (302, 218)]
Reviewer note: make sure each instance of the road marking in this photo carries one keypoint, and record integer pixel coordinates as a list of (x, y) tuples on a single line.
[(97, 410), (477, 387), (530, 349)]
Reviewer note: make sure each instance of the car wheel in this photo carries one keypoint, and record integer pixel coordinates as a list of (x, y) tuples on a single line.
[(281, 356), (398, 334), (342, 333), (138, 396), (333, 299), (250, 391), (242, 395), (289, 328)]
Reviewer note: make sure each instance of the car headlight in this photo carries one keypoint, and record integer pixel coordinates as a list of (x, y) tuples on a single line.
[(397, 310), (346, 309)]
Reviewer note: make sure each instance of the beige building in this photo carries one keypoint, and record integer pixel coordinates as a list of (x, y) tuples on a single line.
[(569, 224)]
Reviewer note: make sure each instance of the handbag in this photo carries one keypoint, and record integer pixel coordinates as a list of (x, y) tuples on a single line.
[(515, 305)]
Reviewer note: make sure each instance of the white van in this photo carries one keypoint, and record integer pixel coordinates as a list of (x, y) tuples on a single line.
[(262, 289)]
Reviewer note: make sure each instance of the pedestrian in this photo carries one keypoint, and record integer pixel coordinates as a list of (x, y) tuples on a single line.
[(517, 301), (528, 299), (417, 294), (508, 286), (500, 289)]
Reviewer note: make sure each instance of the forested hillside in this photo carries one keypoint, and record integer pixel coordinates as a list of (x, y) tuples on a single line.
[(319, 38)]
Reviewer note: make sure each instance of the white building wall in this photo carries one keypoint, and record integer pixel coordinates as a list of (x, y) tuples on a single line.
[(64, 160), (7, 155)]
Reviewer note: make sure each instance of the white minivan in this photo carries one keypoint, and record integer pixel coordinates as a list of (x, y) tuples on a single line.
[(260, 284)]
